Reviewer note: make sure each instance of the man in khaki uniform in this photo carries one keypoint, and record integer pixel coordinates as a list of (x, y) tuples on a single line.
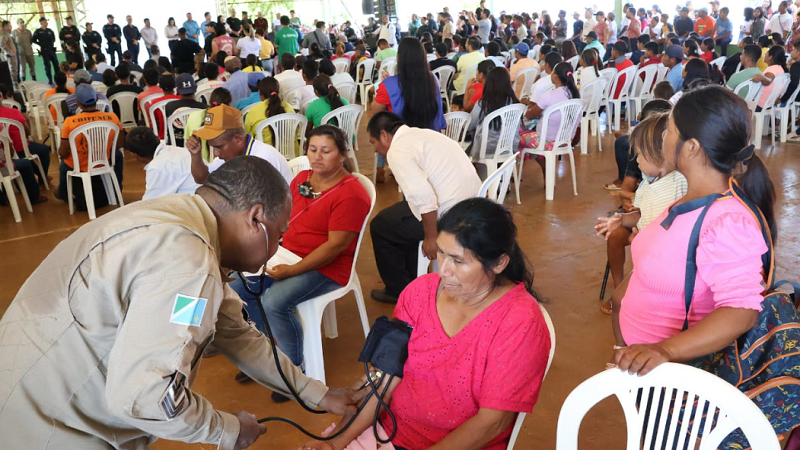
[(101, 345)]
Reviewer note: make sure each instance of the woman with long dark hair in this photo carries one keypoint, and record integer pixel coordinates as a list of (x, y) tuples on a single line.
[(271, 105), (497, 93), (589, 68), (568, 50), (696, 73), (776, 61), (759, 23), (413, 85), (547, 26), (329, 99)]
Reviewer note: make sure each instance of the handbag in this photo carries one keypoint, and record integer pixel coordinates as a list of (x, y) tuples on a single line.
[(764, 362)]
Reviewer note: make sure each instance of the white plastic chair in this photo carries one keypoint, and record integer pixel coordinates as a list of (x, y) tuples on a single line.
[(98, 138), (7, 175), (341, 65), (203, 96), (662, 73), (510, 117), (718, 62), (54, 124), (457, 126), (641, 90), (445, 74), (103, 105), (299, 164), (293, 96), (348, 119), (145, 102), (36, 107), (5, 126), (527, 77), (322, 309), (248, 108), (788, 114), (137, 77), (127, 103), (8, 103), (347, 90), (521, 416), (592, 94), (570, 113), (675, 428), (495, 186), (288, 131), (614, 105), (390, 67), (609, 74), (753, 93), (178, 120), (468, 74), (431, 57), (99, 87), (307, 102), (365, 73), (154, 125), (574, 61), (779, 85)]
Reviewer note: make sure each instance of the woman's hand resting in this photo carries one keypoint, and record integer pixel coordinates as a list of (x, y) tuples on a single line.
[(607, 225), (281, 271)]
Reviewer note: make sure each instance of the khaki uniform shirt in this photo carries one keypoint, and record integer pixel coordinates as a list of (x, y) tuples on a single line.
[(101, 345), (23, 40), (7, 44)]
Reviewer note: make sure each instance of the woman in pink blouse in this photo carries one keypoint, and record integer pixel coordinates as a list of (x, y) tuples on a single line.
[(475, 323), (708, 142)]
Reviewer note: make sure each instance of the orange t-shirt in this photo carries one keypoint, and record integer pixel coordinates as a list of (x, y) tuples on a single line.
[(52, 109), (73, 122), (705, 27)]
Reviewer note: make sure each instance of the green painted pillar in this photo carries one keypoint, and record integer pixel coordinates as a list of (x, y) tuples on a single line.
[(618, 11)]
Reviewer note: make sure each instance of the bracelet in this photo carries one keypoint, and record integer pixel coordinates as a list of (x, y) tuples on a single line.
[(617, 347)]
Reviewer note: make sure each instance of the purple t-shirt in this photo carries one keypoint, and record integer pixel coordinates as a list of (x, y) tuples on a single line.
[(547, 100)]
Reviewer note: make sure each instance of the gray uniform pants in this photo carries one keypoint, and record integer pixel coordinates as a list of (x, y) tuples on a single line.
[(27, 58)]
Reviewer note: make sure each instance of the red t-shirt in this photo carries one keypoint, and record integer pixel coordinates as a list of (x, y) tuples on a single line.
[(496, 361), (478, 94), (707, 57), (343, 208), (13, 133), (620, 67), (160, 120), (382, 96)]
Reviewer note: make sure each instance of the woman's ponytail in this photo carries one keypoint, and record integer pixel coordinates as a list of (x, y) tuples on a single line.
[(758, 187)]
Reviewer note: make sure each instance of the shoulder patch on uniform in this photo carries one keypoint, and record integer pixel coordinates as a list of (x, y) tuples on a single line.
[(188, 310), (175, 400)]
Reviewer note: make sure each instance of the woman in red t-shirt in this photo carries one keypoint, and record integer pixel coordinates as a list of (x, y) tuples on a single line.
[(473, 320), (329, 207)]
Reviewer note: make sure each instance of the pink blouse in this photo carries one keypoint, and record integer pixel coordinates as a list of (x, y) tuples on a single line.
[(496, 361), (728, 271)]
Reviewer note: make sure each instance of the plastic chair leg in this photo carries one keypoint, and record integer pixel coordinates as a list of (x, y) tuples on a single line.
[(39, 165), (312, 344), (574, 179), (605, 281), (759, 129), (422, 262), (70, 200), (550, 175), (375, 169), (516, 185), (362, 308), (111, 194), (599, 139), (89, 194), (117, 189), (12, 199), (329, 321), (352, 155), (617, 115), (585, 136)]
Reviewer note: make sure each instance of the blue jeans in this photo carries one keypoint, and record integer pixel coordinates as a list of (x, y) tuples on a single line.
[(279, 303)]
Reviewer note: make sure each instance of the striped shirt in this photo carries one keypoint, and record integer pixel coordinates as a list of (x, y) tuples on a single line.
[(653, 197)]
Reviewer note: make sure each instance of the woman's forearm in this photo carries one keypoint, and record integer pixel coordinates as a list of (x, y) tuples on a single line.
[(325, 254), (363, 420), (477, 431), (616, 303), (711, 334)]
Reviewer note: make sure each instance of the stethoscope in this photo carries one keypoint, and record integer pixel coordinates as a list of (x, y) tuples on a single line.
[(261, 277)]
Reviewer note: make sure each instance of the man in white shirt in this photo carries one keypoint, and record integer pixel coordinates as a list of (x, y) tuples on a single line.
[(588, 24), (224, 131), (434, 174), (545, 83), (288, 78), (522, 30), (781, 21), (169, 168), (149, 36), (387, 31)]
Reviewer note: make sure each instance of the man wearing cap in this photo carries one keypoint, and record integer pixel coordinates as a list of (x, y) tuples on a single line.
[(92, 41), (132, 37), (592, 42), (522, 63), (23, 38), (68, 32), (70, 104), (683, 24), (183, 51), (224, 131), (577, 32), (704, 25), (10, 49), (113, 33), (673, 59), (46, 40), (86, 98), (237, 82), (186, 88), (252, 82)]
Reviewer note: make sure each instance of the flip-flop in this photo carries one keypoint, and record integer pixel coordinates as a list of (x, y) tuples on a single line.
[(605, 307), (612, 187)]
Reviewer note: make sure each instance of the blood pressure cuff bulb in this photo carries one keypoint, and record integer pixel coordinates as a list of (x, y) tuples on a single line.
[(387, 346)]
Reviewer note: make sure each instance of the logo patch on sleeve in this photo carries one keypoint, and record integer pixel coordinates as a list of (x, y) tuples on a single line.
[(188, 310)]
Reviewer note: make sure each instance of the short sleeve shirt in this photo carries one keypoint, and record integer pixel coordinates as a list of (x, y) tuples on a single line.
[(317, 109), (547, 100), (484, 27), (13, 132), (82, 147)]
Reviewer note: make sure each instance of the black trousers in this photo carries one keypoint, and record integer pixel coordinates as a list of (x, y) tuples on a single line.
[(49, 57), (396, 235), (134, 49), (114, 49)]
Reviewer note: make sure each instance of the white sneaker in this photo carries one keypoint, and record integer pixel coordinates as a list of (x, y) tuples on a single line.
[(794, 139)]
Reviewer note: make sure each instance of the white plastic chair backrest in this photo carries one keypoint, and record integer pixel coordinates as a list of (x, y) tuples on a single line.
[(609, 73), (640, 397), (457, 125), (137, 77), (103, 105), (370, 188), (718, 62), (431, 57), (161, 106), (348, 119), (350, 53), (592, 95), (341, 65), (574, 61), (8, 103), (293, 96), (5, 127), (299, 164), (98, 137), (644, 87), (366, 75), (36, 95), (662, 73), (25, 88), (569, 114), (248, 108), (390, 67), (286, 128), (347, 90), (126, 101), (55, 101), (99, 87), (510, 117), (738, 67), (527, 77), (178, 120), (204, 95), (753, 91), (626, 83), (6, 156), (780, 83), (145, 101), (392, 59), (496, 184), (307, 102), (445, 74), (468, 74)]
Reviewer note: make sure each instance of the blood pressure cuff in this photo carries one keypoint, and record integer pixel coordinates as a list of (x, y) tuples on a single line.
[(387, 346)]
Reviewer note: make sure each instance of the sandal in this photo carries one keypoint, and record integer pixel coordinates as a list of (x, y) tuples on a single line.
[(605, 307), (612, 187)]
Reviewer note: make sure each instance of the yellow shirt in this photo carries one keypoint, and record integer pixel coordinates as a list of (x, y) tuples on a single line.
[(259, 114), (267, 49), (252, 69), (762, 65)]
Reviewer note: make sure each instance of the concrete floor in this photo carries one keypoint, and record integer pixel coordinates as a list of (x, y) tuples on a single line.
[(557, 236)]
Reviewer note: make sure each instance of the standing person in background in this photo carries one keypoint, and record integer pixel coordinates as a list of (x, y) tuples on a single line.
[(294, 21), (320, 37), (634, 27), (276, 23), (266, 52), (386, 31), (522, 30), (222, 43), (209, 40), (204, 25), (600, 29), (68, 32), (234, 23), (781, 22), (723, 30), (132, 37), (171, 32), (8, 46), (192, 28), (150, 37), (560, 28), (24, 41), (183, 52), (483, 26), (577, 32), (759, 24), (93, 42), (286, 38), (260, 24), (113, 33), (611, 34), (414, 25), (46, 40)]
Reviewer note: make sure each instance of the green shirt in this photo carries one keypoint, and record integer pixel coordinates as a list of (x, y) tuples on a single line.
[(386, 53), (317, 109), (286, 38), (742, 76)]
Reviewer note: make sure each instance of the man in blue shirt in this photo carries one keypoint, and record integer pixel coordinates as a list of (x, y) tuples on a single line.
[(723, 31), (192, 28), (673, 59), (205, 23)]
